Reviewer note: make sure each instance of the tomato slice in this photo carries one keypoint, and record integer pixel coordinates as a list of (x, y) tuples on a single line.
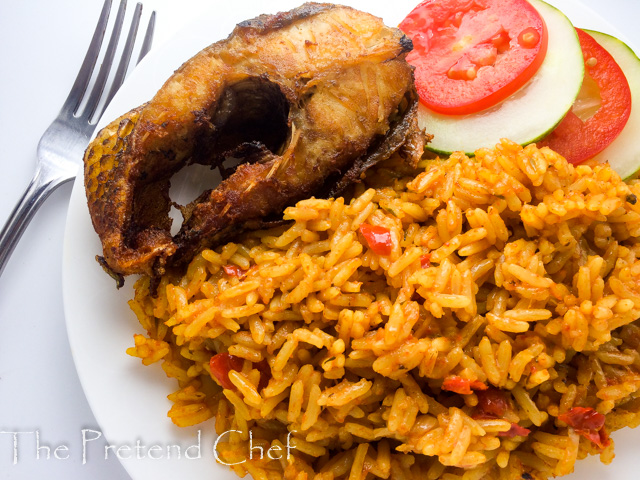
[(378, 238), (471, 54), (582, 133)]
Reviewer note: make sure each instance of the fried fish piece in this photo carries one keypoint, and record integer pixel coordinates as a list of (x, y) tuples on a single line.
[(307, 99)]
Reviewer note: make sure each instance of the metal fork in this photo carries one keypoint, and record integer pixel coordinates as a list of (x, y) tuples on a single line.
[(62, 145)]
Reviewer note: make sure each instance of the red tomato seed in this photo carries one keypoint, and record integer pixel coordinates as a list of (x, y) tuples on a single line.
[(529, 38)]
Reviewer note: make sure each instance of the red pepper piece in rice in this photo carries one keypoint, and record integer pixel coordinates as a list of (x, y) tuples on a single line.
[(221, 364), (378, 238), (492, 403), (515, 431), (265, 373), (588, 423), (463, 386), (234, 271)]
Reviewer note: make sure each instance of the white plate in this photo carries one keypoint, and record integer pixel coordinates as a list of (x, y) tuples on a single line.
[(128, 399)]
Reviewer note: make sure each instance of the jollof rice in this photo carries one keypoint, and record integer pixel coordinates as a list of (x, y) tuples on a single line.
[(497, 338)]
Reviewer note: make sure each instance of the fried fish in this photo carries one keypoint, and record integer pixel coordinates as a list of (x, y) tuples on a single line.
[(306, 99)]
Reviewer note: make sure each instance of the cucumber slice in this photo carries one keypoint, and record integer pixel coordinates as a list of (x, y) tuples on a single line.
[(532, 111), (623, 154)]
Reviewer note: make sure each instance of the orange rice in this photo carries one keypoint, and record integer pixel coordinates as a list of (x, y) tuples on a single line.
[(512, 275)]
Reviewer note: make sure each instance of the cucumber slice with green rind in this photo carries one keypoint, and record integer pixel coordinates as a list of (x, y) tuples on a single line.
[(532, 111), (623, 154)]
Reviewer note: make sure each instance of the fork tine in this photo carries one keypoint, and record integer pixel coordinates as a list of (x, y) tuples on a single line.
[(103, 74), (148, 38), (74, 98), (121, 72), (62, 144)]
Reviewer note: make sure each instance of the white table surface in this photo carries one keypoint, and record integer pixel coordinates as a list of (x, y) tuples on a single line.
[(42, 44)]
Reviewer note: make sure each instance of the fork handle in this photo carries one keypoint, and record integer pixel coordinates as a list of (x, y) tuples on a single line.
[(39, 189)]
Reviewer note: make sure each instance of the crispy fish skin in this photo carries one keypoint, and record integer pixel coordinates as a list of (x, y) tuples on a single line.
[(310, 98)]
